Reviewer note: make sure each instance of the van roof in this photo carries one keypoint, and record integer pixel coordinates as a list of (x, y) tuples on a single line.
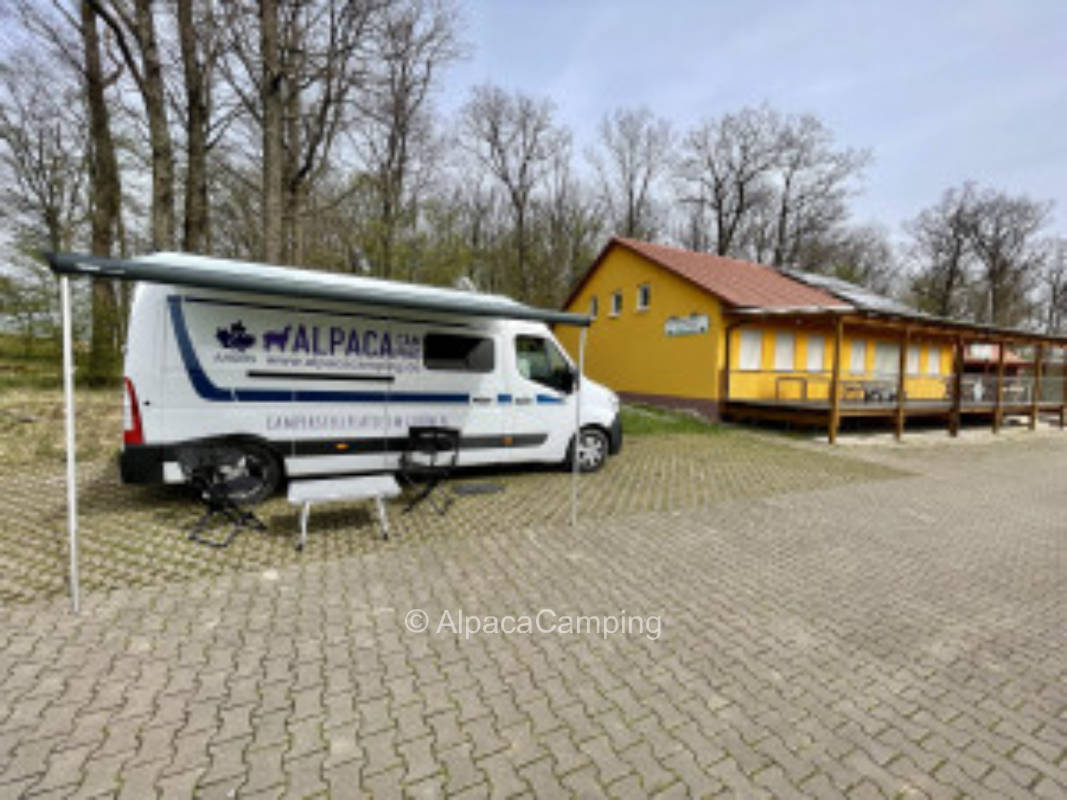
[(184, 269)]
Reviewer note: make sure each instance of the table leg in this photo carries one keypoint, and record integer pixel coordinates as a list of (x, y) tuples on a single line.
[(305, 512), (382, 516)]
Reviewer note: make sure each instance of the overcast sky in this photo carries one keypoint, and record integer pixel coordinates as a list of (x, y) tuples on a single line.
[(940, 91)]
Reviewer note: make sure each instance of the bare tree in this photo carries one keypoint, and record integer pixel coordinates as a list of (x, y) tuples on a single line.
[(200, 45), (1054, 279), (725, 169), (515, 139), (105, 201), (134, 30), (979, 254), (811, 185), (941, 245), (1003, 233), (295, 66), (861, 254), (635, 152), (572, 226), (417, 39), (41, 156)]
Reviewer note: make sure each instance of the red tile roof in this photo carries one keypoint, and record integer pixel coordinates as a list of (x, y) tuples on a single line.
[(740, 283)]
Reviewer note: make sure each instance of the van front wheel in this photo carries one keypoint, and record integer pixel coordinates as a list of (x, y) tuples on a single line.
[(253, 475), (592, 450)]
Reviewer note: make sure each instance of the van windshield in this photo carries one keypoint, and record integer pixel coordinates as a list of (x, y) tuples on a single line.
[(539, 360)]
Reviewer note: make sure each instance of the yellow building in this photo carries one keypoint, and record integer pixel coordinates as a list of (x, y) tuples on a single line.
[(733, 338)]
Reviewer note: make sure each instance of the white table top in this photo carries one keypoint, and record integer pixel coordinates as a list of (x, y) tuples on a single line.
[(356, 488)]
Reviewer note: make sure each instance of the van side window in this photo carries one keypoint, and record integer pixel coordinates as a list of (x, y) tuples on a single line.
[(539, 360), (453, 353)]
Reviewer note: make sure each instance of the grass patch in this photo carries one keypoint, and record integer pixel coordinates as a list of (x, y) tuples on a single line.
[(643, 420), (29, 364)]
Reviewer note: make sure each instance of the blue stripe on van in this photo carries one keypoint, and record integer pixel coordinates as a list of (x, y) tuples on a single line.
[(548, 399), (208, 390), (503, 399)]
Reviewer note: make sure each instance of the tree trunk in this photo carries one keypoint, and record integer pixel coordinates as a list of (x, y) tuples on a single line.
[(105, 198), (155, 102), (273, 120), (194, 234)]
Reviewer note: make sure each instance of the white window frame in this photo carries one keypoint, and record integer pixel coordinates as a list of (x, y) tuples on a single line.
[(933, 360), (913, 360), (616, 303), (857, 347), (816, 345), (750, 350), (644, 302), (785, 342)]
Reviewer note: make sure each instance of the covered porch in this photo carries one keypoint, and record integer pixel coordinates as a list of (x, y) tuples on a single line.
[(919, 367)]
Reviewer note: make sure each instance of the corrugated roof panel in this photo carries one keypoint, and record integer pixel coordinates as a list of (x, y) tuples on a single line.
[(859, 296)]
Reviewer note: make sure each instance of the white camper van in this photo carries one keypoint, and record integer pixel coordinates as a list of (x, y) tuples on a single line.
[(318, 387)]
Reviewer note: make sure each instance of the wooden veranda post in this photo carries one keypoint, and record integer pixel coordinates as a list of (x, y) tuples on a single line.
[(835, 381), (726, 368), (999, 401), (1036, 399), (901, 373), (1063, 378), (957, 389)]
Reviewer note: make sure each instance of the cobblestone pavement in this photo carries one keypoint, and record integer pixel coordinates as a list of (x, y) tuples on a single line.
[(891, 638), (133, 535)]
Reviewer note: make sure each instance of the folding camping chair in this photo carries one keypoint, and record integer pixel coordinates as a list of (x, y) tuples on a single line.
[(428, 458), (206, 468)]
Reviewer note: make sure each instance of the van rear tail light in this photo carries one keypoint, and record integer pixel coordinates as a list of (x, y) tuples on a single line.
[(133, 431)]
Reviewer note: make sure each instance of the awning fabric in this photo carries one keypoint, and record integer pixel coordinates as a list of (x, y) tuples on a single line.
[(182, 269)]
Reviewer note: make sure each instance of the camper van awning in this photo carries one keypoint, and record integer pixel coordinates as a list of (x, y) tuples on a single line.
[(183, 269)]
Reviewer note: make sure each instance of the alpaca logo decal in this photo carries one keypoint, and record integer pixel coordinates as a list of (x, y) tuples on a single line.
[(235, 337), (279, 339)]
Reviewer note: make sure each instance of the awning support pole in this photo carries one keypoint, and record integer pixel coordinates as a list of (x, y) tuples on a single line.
[(68, 400), (577, 428)]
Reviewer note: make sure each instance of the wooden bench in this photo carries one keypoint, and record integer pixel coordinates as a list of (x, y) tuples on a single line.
[(364, 487)]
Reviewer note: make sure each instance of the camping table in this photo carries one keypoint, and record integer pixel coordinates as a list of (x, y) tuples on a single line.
[(366, 487)]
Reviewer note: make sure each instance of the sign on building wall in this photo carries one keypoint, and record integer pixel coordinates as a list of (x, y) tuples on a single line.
[(686, 326)]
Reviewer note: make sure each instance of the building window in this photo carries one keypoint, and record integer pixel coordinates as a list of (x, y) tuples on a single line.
[(644, 296), (616, 303), (933, 361), (816, 353), (451, 353), (886, 359), (784, 351), (857, 363), (751, 355), (913, 359), (593, 309)]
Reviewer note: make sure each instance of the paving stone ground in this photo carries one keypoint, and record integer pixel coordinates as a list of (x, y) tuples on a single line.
[(873, 638)]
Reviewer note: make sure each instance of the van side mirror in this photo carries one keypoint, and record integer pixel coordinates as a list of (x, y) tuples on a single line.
[(568, 380)]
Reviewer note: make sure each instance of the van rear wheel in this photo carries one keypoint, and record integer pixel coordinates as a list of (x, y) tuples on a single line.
[(592, 450), (252, 474)]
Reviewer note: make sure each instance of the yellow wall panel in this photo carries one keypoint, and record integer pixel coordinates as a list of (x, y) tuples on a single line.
[(632, 352)]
